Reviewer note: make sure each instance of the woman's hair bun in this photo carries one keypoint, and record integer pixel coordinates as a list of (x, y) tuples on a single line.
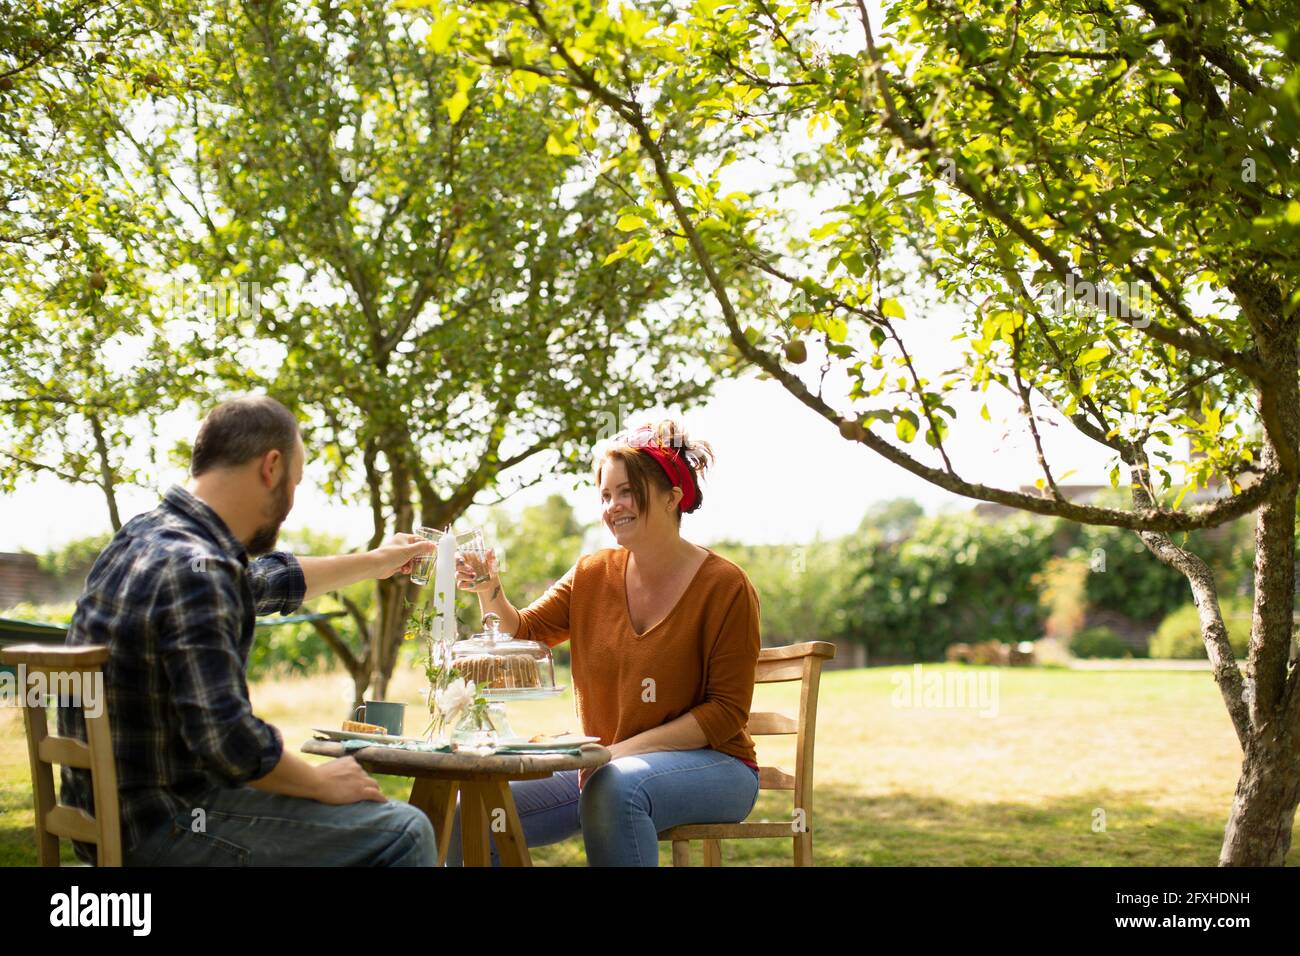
[(670, 433)]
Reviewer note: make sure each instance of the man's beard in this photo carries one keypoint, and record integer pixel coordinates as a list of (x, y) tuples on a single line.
[(264, 538)]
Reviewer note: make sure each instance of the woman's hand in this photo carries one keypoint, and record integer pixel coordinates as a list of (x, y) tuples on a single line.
[(467, 569), (621, 749), (680, 733)]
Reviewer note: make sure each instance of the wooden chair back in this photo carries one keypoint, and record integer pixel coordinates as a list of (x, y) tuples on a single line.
[(801, 662), (44, 750)]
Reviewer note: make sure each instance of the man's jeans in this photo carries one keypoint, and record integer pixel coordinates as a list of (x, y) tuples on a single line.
[(246, 827), (627, 802)]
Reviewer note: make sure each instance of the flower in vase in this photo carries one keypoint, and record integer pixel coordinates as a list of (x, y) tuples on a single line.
[(456, 697)]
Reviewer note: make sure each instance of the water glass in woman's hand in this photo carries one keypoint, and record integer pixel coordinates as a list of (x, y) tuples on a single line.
[(476, 571)]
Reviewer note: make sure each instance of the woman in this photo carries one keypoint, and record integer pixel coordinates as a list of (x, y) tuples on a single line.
[(663, 642)]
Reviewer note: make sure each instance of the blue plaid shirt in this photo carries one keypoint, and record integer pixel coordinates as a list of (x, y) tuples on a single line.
[(174, 596)]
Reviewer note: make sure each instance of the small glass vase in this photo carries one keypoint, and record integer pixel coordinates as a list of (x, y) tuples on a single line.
[(475, 729), (439, 731)]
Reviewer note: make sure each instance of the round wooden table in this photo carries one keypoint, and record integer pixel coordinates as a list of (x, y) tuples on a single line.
[(483, 784)]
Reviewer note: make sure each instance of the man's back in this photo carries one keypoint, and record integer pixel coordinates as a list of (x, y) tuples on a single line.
[(174, 597)]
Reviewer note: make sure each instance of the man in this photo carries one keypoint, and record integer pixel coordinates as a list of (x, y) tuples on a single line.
[(202, 781)]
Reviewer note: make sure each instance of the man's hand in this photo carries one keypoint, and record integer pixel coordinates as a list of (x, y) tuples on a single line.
[(342, 781), (398, 553)]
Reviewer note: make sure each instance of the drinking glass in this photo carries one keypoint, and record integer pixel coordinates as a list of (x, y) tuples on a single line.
[(423, 564), (472, 546)]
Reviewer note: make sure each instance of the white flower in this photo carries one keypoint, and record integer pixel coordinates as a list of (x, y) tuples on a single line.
[(456, 697)]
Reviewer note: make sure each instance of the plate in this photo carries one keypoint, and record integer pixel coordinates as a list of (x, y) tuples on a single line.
[(551, 743), (341, 735)]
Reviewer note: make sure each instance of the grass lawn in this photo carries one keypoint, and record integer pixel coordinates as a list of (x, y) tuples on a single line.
[(1151, 756)]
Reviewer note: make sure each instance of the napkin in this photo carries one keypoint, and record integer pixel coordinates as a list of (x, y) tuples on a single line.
[(350, 745)]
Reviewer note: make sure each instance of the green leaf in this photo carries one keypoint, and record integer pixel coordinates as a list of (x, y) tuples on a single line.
[(456, 105), (557, 147), (891, 309), (440, 33), (629, 222), (905, 425)]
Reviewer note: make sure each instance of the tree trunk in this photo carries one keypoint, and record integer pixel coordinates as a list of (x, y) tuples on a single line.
[(1264, 806), (395, 595), (1264, 707), (360, 681), (1263, 810)]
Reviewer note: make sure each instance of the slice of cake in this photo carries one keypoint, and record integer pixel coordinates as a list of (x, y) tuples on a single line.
[(357, 727)]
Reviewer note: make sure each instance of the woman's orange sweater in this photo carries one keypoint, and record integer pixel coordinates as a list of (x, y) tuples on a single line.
[(699, 659)]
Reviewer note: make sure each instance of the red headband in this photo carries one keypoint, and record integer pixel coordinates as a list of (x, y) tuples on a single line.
[(679, 473)]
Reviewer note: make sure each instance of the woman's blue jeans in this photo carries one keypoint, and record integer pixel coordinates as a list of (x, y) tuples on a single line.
[(625, 804)]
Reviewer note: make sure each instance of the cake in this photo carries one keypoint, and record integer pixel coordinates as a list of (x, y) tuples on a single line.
[(500, 672), (357, 727)]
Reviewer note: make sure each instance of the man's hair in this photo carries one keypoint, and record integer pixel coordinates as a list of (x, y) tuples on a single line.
[(240, 430)]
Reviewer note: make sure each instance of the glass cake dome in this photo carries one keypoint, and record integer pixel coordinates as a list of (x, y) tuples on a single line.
[(503, 668)]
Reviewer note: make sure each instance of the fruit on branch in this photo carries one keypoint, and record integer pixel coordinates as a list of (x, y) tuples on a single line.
[(851, 429)]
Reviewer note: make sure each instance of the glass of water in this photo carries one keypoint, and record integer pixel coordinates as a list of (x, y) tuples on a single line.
[(472, 547), (423, 564)]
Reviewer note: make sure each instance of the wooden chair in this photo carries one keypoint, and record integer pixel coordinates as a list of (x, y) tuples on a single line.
[(53, 819), (801, 662)]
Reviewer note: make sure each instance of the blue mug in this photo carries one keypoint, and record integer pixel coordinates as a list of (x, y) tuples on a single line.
[(386, 713)]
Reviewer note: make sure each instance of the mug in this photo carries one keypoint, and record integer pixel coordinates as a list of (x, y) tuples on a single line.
[(385, 713)]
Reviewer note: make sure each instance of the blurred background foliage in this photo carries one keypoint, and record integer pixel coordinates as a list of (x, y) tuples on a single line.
[(903, 587)]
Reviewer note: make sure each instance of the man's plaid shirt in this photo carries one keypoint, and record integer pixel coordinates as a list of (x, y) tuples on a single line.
[(174, 596)]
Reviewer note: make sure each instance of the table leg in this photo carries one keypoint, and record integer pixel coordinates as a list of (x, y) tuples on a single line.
[(437, 798), (474, 826), (507, 829)]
